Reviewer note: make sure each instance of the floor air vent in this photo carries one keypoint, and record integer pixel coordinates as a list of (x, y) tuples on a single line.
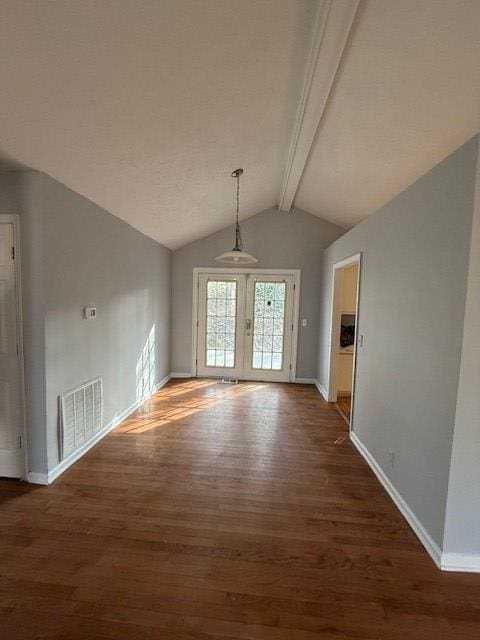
[(81, 413)]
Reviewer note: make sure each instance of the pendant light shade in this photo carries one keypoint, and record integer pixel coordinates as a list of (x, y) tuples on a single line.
[(237, 255)]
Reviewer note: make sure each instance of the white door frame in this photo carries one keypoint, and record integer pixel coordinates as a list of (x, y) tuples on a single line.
[(335, 330), (14, 219), (240, 300), (296, 273)]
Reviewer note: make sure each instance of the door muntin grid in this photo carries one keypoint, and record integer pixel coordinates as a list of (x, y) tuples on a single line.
[(268, 325), (221, 325)]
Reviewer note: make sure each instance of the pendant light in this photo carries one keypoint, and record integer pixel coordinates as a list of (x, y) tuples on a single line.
[(237, 255)]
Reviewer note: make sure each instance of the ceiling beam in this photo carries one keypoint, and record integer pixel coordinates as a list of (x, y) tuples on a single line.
[(333, 24)]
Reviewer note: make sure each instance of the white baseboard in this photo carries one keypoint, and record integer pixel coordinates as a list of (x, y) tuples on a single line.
[(37, 478), (162, 383), (48, 478), (430, 545), (466, 562), (322, 390), (462, 562)]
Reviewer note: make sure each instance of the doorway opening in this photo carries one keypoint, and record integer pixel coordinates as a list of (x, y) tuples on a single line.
[(343, 335), (245, 323)]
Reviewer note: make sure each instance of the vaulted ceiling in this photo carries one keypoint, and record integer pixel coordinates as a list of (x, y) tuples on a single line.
[(146, 107)]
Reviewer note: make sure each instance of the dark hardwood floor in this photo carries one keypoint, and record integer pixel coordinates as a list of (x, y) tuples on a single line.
[(222, 513)]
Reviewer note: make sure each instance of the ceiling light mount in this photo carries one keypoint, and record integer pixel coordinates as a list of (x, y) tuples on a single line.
[(237, 255)]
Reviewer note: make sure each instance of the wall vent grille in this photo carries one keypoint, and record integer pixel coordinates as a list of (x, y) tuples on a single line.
[(81, 415)]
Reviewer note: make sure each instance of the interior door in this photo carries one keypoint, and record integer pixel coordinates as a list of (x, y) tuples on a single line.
[(221, 325), (11, 455), (269, 327)]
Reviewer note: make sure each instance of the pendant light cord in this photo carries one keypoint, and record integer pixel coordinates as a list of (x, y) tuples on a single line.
[(238, 195), (238, 236), (237, 255)]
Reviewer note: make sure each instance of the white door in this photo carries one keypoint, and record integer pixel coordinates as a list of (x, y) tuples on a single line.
[(11, 454), (221, 325), (245, 326), (269, 328)]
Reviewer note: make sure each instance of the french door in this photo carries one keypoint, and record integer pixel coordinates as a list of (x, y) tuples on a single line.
[(245, 325)]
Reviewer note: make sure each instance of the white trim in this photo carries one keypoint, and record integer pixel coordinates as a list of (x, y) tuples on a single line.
[(288, 371), (346, 262), (240, 283), (425, 538), (196, 285), (333, 23), (76, 455), (48, 478), (332, 390), (321, 389), (446, 561), (296, 320), (14, 219), (37, 478), (466, 562), (296, 273), (177, 374), (461, 562)]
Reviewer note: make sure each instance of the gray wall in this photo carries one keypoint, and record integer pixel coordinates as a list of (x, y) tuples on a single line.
[(415, 253), (76, 254), (33, 292), (10, 190), (279, 240), (462, 530)]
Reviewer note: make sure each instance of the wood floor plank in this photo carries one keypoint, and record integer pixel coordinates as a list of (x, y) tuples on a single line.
[(222, 512)]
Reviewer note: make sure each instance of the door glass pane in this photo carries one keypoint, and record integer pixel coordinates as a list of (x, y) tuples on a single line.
[(221, 323), (268, 325)]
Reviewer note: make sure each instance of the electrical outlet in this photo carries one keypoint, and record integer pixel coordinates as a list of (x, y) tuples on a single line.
[(391, 458)]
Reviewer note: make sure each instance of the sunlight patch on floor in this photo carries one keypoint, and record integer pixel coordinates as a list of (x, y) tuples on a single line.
[(150, 417)]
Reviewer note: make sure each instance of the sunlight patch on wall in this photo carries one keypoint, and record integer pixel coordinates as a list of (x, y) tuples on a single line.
[(145, 369)]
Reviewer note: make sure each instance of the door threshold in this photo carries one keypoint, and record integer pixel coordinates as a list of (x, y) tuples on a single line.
[(343, 406)]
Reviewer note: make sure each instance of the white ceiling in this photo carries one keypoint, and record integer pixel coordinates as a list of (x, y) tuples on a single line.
[(146, 107), (406, 95)]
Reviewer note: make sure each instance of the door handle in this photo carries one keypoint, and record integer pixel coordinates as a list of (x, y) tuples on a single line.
[(248, 324)]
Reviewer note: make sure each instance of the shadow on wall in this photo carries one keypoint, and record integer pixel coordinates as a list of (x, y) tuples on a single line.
[(145, 369)]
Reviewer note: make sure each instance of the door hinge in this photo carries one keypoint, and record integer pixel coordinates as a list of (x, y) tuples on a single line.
[(20, 442), (13, 253)]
